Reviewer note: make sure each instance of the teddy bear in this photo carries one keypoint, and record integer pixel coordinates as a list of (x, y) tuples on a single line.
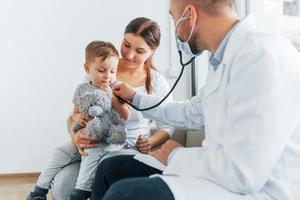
[(106, 125)]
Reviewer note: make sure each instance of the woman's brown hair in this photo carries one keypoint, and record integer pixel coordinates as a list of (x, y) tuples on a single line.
[(150, 32)]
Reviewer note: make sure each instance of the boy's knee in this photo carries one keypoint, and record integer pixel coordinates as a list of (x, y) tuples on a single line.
[(67, 149), (65, 154)]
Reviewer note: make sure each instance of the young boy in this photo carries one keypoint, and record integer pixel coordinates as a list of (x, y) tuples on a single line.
[(101, 65)]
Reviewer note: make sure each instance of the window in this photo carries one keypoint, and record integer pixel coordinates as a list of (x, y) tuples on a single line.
[(291, 7), (279, 16), (290, 25)]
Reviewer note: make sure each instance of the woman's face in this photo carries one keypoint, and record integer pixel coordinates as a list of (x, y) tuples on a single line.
[(134, 50)]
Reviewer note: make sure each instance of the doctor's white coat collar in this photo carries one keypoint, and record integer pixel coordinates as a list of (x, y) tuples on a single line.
[(237, 38), (216, 58), (235, 41)]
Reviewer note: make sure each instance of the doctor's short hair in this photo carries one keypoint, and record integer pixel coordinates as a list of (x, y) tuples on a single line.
[(100, 49), (212, 7)]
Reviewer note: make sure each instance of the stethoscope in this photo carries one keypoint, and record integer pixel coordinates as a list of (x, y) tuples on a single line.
[(173, 87)]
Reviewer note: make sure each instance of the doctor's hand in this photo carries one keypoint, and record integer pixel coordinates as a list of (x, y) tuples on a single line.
[(83, 141), (166, 149), (124, 91)]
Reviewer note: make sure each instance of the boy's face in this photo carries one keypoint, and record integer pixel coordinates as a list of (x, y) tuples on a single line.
[(102, 73)]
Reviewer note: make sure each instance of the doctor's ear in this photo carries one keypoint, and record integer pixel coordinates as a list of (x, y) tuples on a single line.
[(192, 14)]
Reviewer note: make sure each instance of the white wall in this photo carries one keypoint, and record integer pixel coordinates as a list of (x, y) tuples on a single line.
[(41, 55), (267, 14)]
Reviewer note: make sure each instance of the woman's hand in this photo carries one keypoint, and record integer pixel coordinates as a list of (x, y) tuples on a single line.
[(143, 144), (81, 119), (83, 141), (124, 91)]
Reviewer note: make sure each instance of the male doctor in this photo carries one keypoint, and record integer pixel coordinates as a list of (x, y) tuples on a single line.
[(250, 108)]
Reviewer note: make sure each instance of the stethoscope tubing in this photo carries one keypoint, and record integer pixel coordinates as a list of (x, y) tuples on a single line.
[(173, 87)]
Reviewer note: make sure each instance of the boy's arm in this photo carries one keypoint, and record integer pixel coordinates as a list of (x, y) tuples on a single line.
[(78, 118), (76, 111), (122, 108), (71, 120), (69, 126)]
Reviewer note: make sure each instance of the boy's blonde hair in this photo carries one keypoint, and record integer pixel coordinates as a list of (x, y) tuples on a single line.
[(100, 49)]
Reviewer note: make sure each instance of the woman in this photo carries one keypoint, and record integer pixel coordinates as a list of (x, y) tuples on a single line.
[(141, 39)]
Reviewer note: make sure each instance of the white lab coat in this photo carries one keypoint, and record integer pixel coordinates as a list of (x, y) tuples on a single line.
[(250, 107)]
